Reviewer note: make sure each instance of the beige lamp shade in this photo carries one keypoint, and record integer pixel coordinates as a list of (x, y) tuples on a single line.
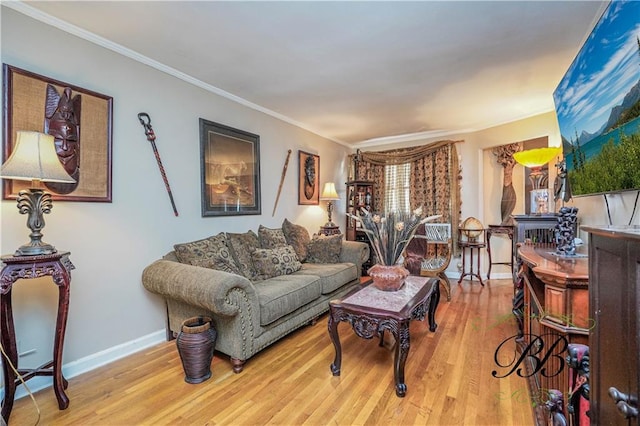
[(537, 157), (34, 157), (329, 192)]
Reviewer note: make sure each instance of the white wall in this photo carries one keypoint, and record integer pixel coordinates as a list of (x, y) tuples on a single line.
[(111, 243)]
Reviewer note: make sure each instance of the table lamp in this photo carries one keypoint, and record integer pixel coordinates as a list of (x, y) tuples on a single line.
[(34, 159), (329, 194), (535, 159)]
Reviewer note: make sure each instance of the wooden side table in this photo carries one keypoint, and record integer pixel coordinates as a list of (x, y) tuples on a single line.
[(471, 246), (509, 230), (59, 267)]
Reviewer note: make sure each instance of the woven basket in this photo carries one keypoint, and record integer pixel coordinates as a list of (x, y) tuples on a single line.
[(196, 343)]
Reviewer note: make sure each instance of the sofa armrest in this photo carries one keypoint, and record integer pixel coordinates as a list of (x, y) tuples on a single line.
[(354, 252), (197, 286)]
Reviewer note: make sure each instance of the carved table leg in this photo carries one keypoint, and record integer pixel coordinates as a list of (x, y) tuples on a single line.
[(488, 253), (335, 339), (59, 382), (433, 305), (402, 350), (7, 336)]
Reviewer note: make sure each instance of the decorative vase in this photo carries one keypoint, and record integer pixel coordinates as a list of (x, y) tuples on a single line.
[(388, 277), (196, 343)]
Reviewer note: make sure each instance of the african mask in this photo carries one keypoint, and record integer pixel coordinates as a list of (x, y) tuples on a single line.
[(62, 121)]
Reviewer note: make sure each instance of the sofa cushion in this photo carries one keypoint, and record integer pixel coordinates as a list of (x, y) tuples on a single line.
[(324, 249), (274, 262), (284, 294), (241, 246), (332, 275), (211, 253), (298, 237), (271, 238)]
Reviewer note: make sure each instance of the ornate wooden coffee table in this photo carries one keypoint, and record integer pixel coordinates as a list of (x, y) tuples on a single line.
[(371, 311)]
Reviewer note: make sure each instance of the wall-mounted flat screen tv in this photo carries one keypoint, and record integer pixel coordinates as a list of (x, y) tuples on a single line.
[(598, 105)]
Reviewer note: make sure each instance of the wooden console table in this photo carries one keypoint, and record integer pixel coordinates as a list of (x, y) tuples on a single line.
[(555, 314), (507, 230), (59, 267)]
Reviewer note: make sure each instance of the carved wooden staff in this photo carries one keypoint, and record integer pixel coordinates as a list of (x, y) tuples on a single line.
[(284, 172), (145, 120)]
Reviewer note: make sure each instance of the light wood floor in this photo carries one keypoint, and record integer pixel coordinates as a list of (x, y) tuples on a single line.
[(448, 374)]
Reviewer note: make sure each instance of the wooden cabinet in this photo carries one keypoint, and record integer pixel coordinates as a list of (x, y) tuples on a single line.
[(555, 314), (614, 344), (360, 195), (537, 229)]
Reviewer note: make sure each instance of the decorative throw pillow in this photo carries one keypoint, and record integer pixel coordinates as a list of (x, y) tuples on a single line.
[(297, 237), (322, 249), (210, 253), (274, 262), (271, 238), (241, 246)]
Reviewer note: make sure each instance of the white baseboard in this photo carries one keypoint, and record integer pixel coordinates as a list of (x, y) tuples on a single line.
[(495, 275), (91, 362)]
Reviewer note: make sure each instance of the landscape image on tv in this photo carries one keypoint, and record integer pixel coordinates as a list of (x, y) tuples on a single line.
[(598, 105)]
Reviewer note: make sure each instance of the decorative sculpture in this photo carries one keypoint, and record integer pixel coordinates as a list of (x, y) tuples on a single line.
[(309, 177), (62, 121), (561, 187), (565, 231), (504, 154)]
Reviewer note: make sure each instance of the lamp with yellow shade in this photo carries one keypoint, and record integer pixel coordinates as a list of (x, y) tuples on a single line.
[(535, 159), (329, 194), (34, 159)]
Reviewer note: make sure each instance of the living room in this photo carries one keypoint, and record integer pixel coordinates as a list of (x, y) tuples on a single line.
[(111, 315)]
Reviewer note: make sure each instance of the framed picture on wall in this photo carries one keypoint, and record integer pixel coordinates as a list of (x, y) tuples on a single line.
[(230, 170), (80, 121), (308, 178)]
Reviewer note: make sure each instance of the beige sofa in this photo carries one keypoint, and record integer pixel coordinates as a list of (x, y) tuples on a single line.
[(250, 309)]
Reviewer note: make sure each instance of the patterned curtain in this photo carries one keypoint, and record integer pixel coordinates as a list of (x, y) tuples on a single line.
[(435, 185), (435, 179)]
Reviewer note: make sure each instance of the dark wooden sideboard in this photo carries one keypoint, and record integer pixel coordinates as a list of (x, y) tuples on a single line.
[(614, 342), (535, 228), (555, 314)]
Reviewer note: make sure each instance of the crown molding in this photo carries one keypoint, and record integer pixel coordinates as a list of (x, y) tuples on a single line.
[(432, 134), (25, 9)]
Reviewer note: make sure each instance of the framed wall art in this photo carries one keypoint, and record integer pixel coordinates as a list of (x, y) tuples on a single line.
[(80, 120), (308, 178), (230, 170)]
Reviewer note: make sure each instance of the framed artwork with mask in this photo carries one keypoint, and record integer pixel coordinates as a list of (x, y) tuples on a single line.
[(308, 178), (80, 121)]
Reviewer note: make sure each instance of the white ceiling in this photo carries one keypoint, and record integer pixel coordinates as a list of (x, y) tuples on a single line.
[(353, 72)]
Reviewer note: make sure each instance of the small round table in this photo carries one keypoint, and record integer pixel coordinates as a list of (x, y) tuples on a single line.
[(471, 246)]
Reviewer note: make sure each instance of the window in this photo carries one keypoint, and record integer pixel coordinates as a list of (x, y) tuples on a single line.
[(397, 188)]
